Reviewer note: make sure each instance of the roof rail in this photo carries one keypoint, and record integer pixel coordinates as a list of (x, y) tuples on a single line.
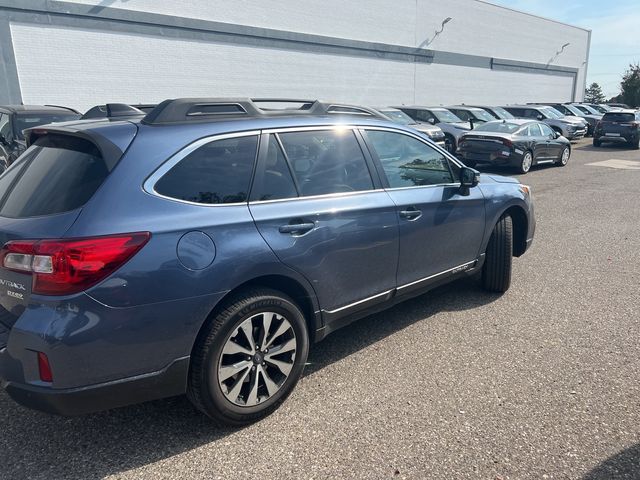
[(112, 110), (183, 110), (62, 106)]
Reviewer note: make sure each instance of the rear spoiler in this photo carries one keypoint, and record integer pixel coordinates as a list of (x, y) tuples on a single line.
[(110, 149)]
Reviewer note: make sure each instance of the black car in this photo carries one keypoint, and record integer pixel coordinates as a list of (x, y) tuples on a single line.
[(16, 118), (498, 113), (622, 126), (520, 143)]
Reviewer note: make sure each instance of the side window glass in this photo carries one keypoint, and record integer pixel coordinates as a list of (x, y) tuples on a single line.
[(326, 161), (274, 181), (423, 115), (407, 162), (546, 129), (5, 126), (218, 172), (534, 130)]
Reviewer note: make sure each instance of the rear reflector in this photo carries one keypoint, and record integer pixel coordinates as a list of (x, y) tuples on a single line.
[(44, 368), (67, 266)]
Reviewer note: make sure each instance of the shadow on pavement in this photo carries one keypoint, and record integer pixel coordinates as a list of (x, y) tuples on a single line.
[(36, 445), (622, 466)]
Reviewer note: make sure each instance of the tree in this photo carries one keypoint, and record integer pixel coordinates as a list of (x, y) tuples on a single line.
[(630, 86), (594, 94)]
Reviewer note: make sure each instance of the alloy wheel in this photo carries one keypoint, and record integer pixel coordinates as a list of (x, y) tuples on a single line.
[(527, 160), (565, 156), (257, 359)]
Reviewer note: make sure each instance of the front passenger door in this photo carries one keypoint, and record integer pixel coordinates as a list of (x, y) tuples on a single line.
[(441, 227)]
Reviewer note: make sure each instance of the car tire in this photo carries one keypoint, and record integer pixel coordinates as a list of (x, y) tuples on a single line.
[(596, 143), (563, 159), (258, 379), (496, 271), (636, 145), (450, 144), (525, 164)]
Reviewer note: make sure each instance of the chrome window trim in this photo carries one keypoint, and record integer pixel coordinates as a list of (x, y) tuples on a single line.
[(149, 184), (330, 126), (317, 197)]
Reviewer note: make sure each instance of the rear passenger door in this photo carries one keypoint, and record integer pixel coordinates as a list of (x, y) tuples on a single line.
[(441, 228), (323, 213), (537, 141)]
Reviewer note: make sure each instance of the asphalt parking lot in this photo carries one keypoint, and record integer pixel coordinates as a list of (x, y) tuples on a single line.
[(541, 382)]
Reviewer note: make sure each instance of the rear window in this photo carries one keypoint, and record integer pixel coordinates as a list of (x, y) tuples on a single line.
[(618, 117), (502, 127), (57, 174)]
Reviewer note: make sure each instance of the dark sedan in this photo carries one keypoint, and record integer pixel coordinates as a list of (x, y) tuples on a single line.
[(518, 142)]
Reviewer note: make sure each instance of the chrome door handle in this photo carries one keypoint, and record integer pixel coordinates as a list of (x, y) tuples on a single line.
[(297, 228), (411, 213)]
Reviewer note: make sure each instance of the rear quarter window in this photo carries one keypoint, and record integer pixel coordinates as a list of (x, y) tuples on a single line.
[(57, 174), (216, 173)]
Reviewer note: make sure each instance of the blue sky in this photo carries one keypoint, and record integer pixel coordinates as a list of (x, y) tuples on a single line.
[(615, 37)]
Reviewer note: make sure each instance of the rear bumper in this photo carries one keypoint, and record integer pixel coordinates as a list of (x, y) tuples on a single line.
[(94, 398), (624, 137)]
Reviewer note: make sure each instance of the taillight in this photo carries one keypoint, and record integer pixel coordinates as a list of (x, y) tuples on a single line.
[(66, 266)]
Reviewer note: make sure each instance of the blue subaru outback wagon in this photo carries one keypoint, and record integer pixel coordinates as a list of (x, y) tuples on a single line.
[(201, 248)]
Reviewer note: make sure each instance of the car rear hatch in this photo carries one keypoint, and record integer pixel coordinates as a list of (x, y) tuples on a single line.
[(618, 124), (41, 196)]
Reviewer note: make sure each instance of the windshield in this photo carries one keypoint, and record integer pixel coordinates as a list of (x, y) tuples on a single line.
[(551, 112), (590, 109), (501, 127), (483, 115), (399, 117), (446, 116), (24, 121), (502, 113), (574, 110), (600, 108), (583, 109)]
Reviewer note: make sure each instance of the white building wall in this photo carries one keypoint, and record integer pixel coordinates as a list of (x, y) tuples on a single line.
[(85, 67)]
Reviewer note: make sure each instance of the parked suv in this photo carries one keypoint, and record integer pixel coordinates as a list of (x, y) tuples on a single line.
[(571, 110), (15, 118), (569, 127), (622, 126), (200, 249), (452, 126)]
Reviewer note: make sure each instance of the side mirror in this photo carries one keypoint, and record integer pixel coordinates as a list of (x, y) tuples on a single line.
[(469, 177), (556, 135), (540, 117), (432, 121)]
